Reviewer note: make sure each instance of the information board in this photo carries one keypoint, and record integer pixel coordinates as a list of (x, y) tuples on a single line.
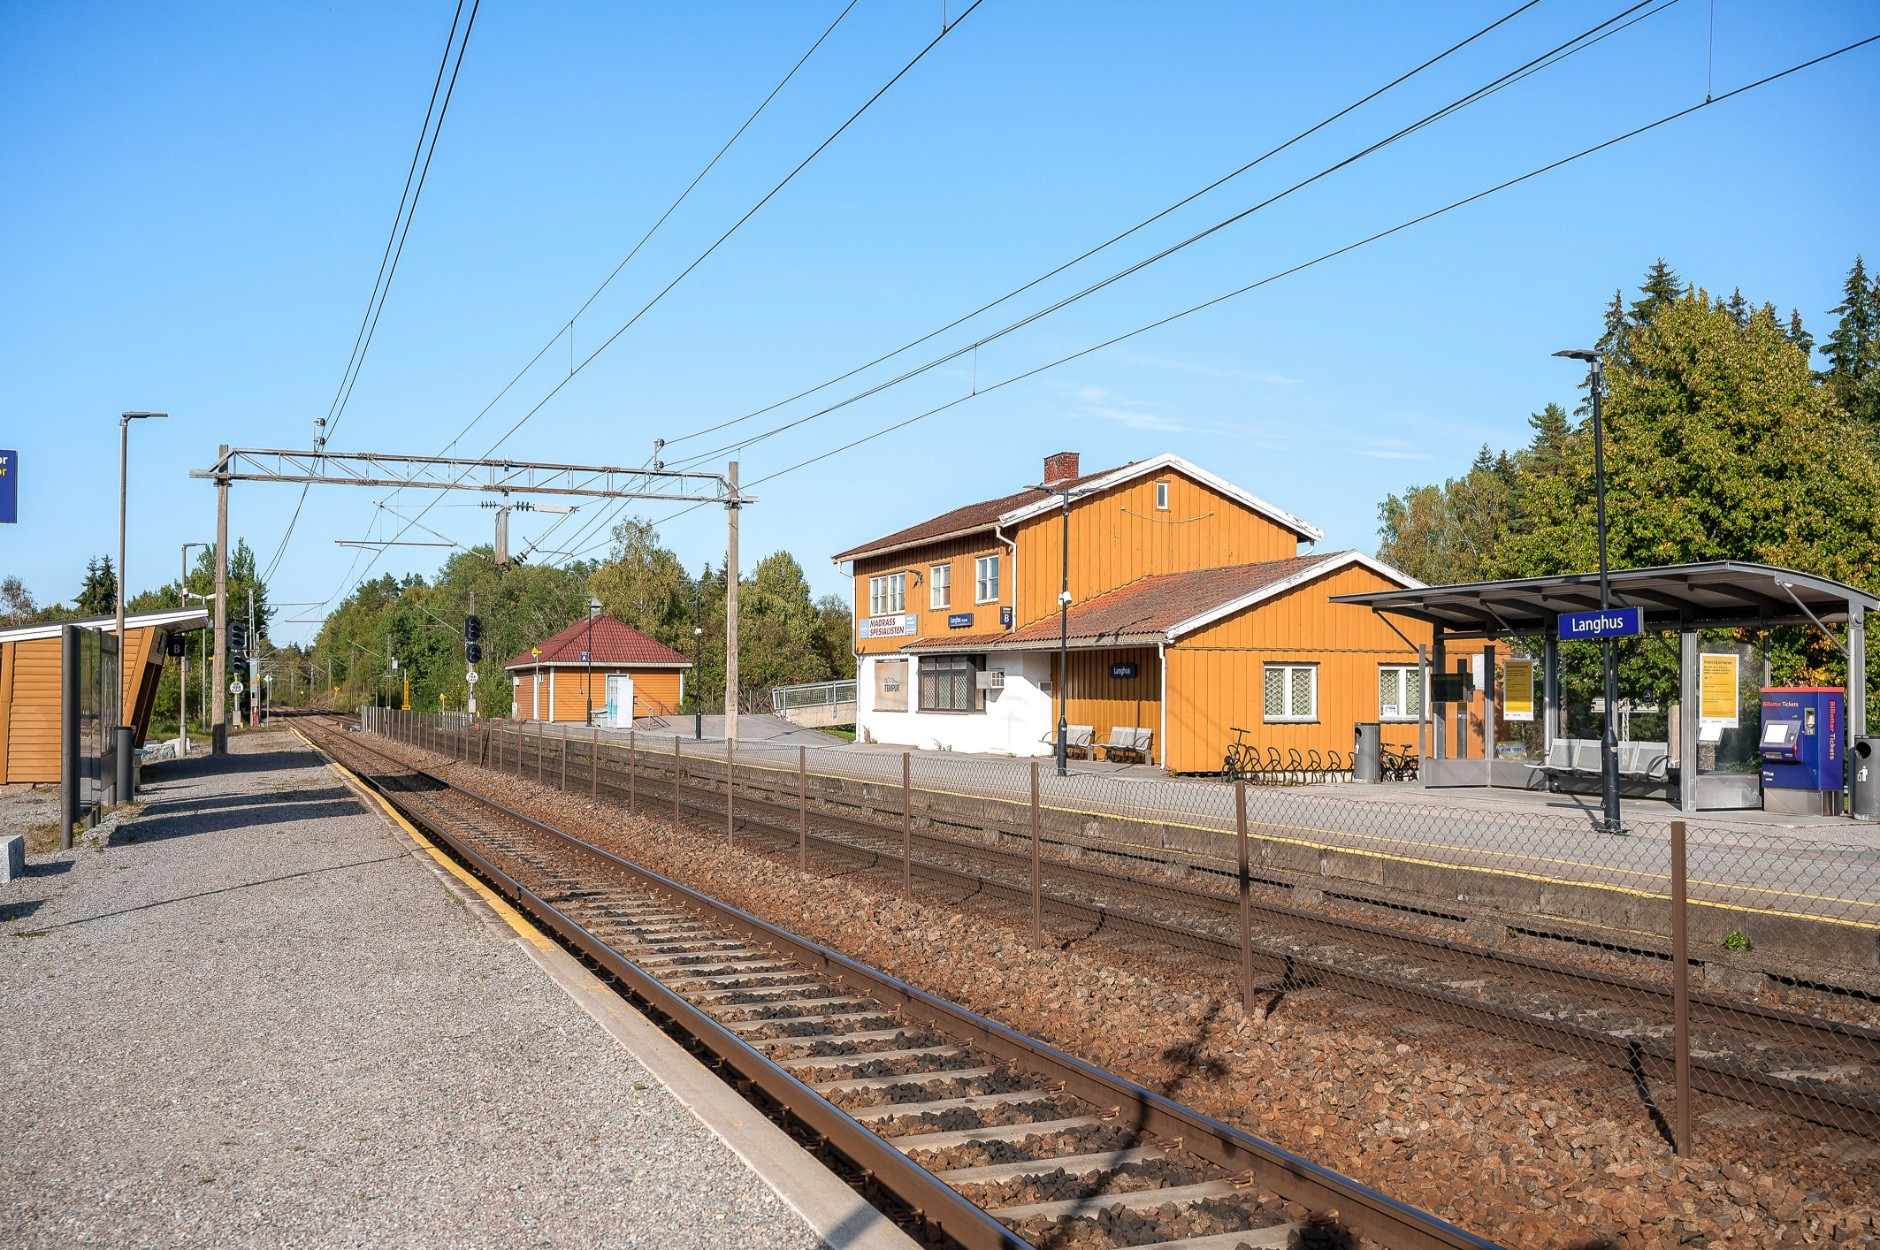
[(1517, 685), (1718, 678), (9, 487)]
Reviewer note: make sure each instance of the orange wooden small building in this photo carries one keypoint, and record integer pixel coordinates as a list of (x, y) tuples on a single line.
[(549, 682), (1196, 607), (31, 665)]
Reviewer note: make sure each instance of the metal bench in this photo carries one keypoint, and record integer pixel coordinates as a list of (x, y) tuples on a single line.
[(1078, 738), (1580, 757), (1128, 741)]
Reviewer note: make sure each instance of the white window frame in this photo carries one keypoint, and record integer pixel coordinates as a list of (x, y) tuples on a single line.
[(986, 589), (1407, 676), (1290, 718), (1161, 496), (940, 587), (887, 594)]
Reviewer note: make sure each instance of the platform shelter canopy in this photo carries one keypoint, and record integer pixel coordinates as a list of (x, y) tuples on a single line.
[(1719, 594)]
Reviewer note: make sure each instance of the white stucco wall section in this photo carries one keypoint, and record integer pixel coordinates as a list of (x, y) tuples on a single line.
[(1017, 720)]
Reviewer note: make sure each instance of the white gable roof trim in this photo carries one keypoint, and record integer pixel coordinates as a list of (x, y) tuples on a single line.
[(1155, 464), (1330, 564), (177, 620)]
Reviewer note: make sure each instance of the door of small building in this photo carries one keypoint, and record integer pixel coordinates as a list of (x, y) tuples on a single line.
[(619, 699)]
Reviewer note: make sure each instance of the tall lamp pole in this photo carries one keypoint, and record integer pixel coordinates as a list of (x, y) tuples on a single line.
[(1064, 633), (594, 608), (182, 685), (122, 731), (698, 651), (1609, 743)]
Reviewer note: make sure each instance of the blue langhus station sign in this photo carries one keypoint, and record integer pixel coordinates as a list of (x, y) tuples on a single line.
[(1607, 623)]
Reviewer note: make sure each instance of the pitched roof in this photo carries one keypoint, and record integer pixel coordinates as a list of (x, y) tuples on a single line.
[(175, 620), (614, 643), (970, 519), (1162, 606)]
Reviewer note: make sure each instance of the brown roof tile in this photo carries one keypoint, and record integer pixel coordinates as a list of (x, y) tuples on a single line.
[(966, 520), (615, 643)]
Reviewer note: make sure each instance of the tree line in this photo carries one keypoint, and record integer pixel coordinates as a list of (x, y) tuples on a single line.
[(1723, 441)]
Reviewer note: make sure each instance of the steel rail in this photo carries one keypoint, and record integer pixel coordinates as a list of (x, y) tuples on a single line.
[(1649, 1058), (1392, 1223)]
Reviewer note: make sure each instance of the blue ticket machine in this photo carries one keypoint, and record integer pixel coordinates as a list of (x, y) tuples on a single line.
[(1801, 749)]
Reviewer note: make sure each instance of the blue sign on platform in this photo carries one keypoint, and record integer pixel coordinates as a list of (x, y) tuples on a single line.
[(960, 620), (9, 487), (1609, 623)]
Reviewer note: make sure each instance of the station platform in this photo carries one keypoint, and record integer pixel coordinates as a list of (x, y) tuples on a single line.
[(252, 1011)]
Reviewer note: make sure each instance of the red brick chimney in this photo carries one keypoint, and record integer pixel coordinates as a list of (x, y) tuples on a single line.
[(1060, 468)]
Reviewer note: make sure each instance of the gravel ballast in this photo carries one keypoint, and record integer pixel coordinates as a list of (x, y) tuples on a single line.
[(248, 1015)]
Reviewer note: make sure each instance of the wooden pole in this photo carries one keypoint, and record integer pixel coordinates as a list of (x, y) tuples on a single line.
[(1037, 875), (731, 825), (1680, 993), (564, 761), (907, 823), (541, 727), (802, 807), (675, 781), (1246, 897), (731, 603), (594, 766)]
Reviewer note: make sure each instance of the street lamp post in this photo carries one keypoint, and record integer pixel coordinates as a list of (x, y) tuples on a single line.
[(698, 645), (123, 732), (1609, 742), (594, 608), (1064, 633)]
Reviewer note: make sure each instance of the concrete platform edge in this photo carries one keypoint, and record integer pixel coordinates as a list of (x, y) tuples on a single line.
[(832, 1210)]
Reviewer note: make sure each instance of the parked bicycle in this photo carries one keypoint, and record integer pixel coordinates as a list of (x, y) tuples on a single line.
[(1242, 760)]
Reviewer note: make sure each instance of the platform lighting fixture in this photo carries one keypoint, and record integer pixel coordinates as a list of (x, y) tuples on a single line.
[(1064, 492), (1609, 742), (124, 732), (594, 610)]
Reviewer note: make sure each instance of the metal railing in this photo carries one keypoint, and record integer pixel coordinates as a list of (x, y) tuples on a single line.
[(786, 699)]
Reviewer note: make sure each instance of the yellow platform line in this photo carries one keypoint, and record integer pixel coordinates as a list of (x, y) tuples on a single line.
[(513, 918)]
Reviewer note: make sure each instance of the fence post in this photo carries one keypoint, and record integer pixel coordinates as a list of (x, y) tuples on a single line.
[(633, 766), (907, 823), (564, 761), (1037, 882), (1246, 897), (675, 780), (802, 807), (1680, 993), (541, 748), (731, 823)]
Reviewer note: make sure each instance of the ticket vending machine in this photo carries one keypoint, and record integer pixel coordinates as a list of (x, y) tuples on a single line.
[(1801, 749)]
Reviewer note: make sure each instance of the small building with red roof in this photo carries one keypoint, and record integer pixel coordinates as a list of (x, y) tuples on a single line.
[(633, 675)]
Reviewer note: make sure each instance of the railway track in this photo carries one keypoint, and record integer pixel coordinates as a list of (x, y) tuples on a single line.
[(983, 1137), (1789, 1063)]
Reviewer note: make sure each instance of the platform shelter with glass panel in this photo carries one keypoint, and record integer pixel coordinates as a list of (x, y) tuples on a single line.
[(1688, 715)]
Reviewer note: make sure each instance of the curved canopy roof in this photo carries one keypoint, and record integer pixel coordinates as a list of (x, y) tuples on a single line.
[(1713, 595)]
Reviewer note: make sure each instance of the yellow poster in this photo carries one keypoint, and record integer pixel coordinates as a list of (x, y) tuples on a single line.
[(1717, 690), (1517, 684)]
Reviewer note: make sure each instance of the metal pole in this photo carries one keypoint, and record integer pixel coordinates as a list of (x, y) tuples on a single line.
[(1680, 993), (1609, 744), (1246, 897), (731, 607), (1037, 873), (802, 807), (124, 466), (218, 684), (698, 655), (1064, 628), (907, 823), (254, 665)]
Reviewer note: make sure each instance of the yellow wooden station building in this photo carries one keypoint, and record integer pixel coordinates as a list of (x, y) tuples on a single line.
[(1195, 607)]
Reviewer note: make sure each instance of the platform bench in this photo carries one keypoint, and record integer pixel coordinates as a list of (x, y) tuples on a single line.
[(1579, 757), (1128, 741), (1078, 738)]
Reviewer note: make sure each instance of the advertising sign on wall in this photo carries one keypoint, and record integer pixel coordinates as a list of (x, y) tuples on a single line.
[(1717, 678), (891, 685), (1517, 681), (900, 625)]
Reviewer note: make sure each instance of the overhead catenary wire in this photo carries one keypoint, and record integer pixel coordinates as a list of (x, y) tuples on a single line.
[(1552, 56), (821, 147), (1400, 227), (408, 196)]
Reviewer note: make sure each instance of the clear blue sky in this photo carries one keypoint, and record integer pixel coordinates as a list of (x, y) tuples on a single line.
[(196, 199)]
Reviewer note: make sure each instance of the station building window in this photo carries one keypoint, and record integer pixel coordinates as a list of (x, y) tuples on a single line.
[(940, 587), (986, 579), (1290, 692), (948, 683), (1161, 496), (887, 594), (1399, 692)]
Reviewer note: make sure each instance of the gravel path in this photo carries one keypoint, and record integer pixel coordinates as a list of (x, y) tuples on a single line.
[(248, 1017)]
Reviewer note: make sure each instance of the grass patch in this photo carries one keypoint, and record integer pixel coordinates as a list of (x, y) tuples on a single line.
[(844, 732)]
